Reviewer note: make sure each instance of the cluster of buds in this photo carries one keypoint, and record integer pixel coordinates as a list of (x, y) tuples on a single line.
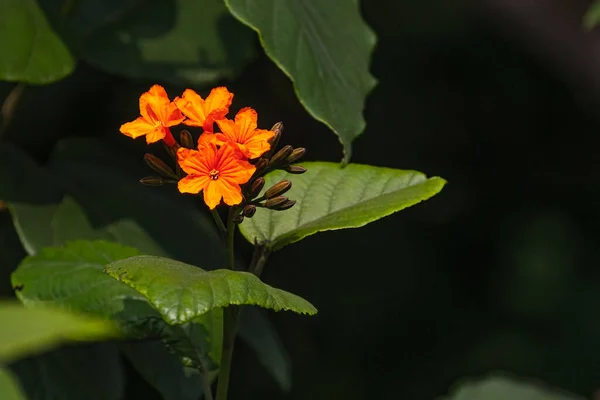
[(273, 198)]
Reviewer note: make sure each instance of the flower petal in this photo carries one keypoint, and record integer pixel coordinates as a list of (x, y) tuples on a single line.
[(192, 106), (246, 122), (212, 194), (228, 128), (231, 192), (193, 184), (216, 106), (153, 103), (173, 115), (258, 143), (158, 134), (137, 128), (193, 161)]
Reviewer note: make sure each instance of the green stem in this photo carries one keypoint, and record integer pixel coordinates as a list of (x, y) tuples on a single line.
[(230, 315), (230, 236), (219, 222), (10, 105), (206, 386), (259, 259)]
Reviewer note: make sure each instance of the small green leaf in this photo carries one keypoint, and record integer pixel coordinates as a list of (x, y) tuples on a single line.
[(30, 331), (592, 16), (499, 387), (31, 51), (261, 336), (325, 49), (182, 41), (331, 197), (10, 389), (71, 277), (182, 292)]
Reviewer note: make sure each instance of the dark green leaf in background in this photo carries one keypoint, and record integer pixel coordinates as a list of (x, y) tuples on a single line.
[(331, 197), (10, 389), (500, 387), (182, 41), (182, 292), (31, 51), (592, 16), (325, 48)]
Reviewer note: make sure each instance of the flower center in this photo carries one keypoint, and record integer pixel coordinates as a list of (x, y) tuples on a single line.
[(214, 174)]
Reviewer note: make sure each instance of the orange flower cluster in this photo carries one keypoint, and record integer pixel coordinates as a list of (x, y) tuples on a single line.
[(221, 162)]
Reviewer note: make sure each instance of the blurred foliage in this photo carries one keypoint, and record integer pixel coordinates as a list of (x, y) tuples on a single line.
[(499, 272)]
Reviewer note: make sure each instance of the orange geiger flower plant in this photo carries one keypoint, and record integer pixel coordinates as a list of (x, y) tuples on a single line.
[(158, 113), (251, 141), (217, 172), (204, 113)]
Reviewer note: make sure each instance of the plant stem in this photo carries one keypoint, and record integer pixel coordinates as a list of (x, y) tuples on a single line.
[(206, 386), (231, 314), (9, 106), (259, 259), (230, 237), (219, 222)]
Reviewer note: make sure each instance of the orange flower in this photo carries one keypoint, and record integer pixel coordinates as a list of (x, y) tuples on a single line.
[(158, 114), (252, 142), (202, 112), (218, 173)]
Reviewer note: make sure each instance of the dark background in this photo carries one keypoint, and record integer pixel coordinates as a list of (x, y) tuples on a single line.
[(498, 272)]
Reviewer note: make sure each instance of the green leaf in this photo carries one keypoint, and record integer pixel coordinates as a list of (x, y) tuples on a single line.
[(499, 387), (330, 197), (71, 277), (9, 386), (31, 331), (325, 48), (31, 51), (182, 41), (182, 292), (592, 16), (261, 336)]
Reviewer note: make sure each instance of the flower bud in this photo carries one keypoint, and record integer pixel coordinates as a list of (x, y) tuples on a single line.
[(260, 165), (238, 219), (152, 181), (278, 130), (275, 202), (256, 187), (249, 210), (295, 169), (278, 189), (296, 155), (286, 206), (159, 166), (281, 155), (185, 137)]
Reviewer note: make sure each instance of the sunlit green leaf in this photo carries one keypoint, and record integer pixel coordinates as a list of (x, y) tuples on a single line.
[(31, 51), (9, 386), (182, 292), (71, 277), (325, 48), (30, 331), (331, 197), (500, 387)]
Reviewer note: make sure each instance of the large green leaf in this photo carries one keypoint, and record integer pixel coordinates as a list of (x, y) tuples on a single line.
[(331, 197), (183, 41), (498, 387), (31, 51), (182, 292), (9, 386), (325, 48), (71, 277), (30, 331)]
